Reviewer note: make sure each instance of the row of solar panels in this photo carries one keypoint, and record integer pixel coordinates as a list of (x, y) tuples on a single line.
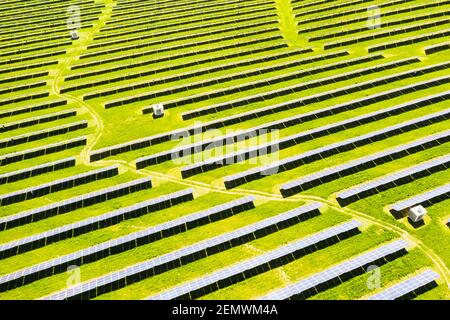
[(68, 205), (35, 56), (161, 32), (295, 139), (409, 287), (382, 24), (269, 81), (388, 33), (177, 48), (260, 264), (42, 134), (128, 242), (40, 151), (23, 77), (19, 4), (94, 223), (186, 12), (364, 163), (425, 199), (411, 40), (36, 170), (363, 18), (37, 120), (186, 37), (144, 26), (332, 149), (199, 250), (401, 177), (164, 137), (437, 48), (155, 60), (335, 275), (197, 72), (36, 94), (58, 185)]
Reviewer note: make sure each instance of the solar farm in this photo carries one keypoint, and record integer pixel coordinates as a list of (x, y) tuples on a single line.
[(224, 149)]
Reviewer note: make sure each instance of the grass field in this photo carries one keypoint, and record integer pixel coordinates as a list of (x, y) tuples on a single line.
[(258, 96)]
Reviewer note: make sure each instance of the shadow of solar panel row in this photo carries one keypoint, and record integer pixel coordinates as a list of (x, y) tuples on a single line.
[(410, 41), (24, 97), (352, 12), (32, 108), (260, 264), (383, 25), (176, 77), (288, 90), (18, 59), (382, 14), (425, 199), (140, 63), (58, 185), (365, 163), (148, 27), (186, 29), (37, 120), (246, 86), (40, 151), (90, 224), (36, 170), (389, 33), (185, 12), (22, 87), (24, 77), (185, 132), (289, 141), (333, 149), (448, 223), (437, 48), (28, 67), (310, 99), (188, 254), (42, 134), (391, 181), (326, 9), (72, 204), (178, 47), (340, 273), (143, 44), (128, 242), (409, 288)]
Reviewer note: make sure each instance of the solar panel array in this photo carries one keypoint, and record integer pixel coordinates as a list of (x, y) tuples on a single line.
[(407, 287), (347, 269), (404, 176), (58, 185), (333, 173), (186, 255), (128, 242), (251, 267), (90, 224), (425, 199), (68, 205)]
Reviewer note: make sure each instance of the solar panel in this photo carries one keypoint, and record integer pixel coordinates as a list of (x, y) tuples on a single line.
[(245, 269), (194, 252), (309, 285), (407, 287)]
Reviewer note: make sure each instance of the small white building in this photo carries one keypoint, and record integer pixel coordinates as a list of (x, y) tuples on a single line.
[(74, 35), (417, 213), (158, 110)]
